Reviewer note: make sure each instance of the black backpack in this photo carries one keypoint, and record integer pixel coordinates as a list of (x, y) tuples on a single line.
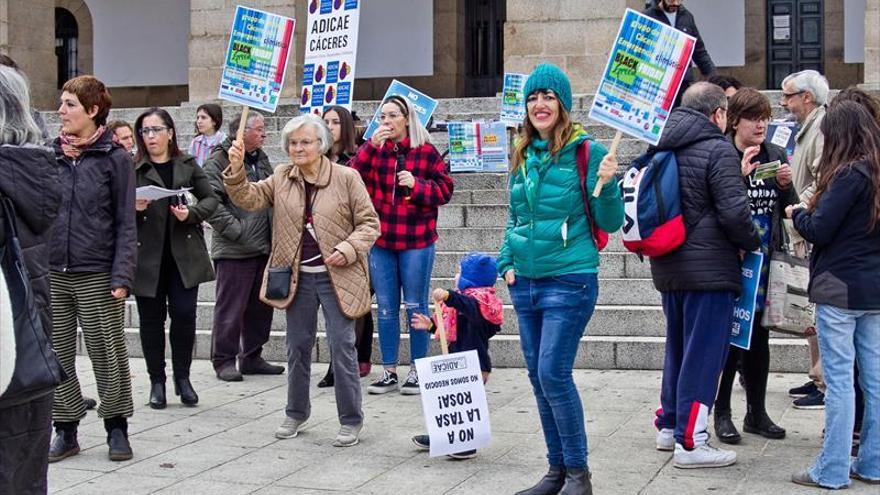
[(28, 363)]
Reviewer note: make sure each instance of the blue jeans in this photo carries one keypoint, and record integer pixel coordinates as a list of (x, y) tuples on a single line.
[(844, 337), (390, 272), (553, 313)]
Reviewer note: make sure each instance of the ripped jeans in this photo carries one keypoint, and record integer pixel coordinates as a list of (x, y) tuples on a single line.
[(390, 272)]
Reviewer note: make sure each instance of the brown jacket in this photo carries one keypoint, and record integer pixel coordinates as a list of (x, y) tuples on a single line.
[(344, 221)]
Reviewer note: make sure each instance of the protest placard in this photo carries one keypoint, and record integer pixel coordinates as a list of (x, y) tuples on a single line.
[(648, 62), (477, 146), (423, 105), (744, 309), (330, 55), (782, 133), (454, 402), (513, 99), (256, 59)]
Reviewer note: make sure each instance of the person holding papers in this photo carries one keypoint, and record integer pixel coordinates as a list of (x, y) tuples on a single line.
[(770, 191), (323, 226), (94, 252), (408, 182), (550, 261), (172, 257)]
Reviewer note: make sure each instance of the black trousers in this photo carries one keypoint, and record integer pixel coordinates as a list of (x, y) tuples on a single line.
[(174, 300), (25, 430), (755, 370)]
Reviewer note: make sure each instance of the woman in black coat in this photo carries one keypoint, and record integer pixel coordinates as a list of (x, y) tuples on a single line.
[(172, 256), (748, 114)]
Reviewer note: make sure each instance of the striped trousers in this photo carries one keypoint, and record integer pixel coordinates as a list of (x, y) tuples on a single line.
[(85, 298)]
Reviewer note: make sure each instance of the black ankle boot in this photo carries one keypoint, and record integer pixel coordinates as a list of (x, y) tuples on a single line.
[(725, 430), (327, 381), (550, 484), (157, 395), (577, 482), (761, 424), (64, 444), (184, 389), (117, 437)]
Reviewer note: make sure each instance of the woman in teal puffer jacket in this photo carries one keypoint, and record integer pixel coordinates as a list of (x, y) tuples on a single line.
[(550, 261)]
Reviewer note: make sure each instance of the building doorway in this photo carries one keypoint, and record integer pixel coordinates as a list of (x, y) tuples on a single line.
[(66, 45), (484, 46), (795, 33)]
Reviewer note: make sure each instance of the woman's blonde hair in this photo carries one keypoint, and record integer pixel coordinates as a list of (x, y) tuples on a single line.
[(559, 137), (418, 135)]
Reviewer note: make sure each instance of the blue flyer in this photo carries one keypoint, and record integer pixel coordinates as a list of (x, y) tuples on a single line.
[(744, 309)]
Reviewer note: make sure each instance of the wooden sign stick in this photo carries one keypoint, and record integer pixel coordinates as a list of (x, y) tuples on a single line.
[(441, 330), (239, 136), (613, 152)]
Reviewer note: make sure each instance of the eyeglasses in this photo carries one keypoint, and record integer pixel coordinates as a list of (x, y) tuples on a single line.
[(305, 143), (146, 131), (390, 116), (786, 96)]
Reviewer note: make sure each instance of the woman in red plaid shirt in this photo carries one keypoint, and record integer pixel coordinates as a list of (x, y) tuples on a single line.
[(408, 181)]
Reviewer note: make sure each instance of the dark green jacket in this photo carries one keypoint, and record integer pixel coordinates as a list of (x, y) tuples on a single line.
[(547, 231), (187, 239), (238, 234)]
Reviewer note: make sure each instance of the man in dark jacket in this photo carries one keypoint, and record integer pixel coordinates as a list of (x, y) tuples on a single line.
[(240, 248), (700, 280), (673, 13)]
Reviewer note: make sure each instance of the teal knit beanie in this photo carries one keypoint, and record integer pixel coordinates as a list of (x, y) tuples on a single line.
[(548, 76)]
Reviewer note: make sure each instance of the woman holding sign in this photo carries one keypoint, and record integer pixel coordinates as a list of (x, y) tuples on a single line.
[(323, 225), (768, 181), (408, 182), (550, 261)]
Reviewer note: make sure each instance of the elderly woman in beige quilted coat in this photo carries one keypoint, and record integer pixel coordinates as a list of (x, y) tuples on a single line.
[(322, 229)]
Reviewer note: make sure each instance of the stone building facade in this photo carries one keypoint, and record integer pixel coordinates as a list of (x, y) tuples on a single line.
[(575, 34)]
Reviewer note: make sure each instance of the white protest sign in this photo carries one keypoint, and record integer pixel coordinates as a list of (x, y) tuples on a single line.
[(330, 55), (454, 402)]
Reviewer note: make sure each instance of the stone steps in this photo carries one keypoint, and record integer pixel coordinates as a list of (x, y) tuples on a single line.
[(627, 327), (594, 352)]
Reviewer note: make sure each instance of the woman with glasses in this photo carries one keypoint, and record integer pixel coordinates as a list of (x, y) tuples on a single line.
[(172, 257), (747, 116), (322, 228), (341, 124), (92, 266), (408, 182)]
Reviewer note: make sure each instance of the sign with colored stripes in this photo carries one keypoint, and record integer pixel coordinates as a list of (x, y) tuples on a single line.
[(648, 62), (331, 51), (256, 59), (477, 146)]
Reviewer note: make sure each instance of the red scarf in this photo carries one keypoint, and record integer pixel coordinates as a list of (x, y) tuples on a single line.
[(73, 146), (491, 309)]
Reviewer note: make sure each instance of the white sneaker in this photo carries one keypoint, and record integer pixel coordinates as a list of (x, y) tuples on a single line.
[(703, 456), (666, 440), (348, 435), (289, 428), (411, 385)]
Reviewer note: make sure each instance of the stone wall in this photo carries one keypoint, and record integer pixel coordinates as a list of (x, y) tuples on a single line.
[(30, 41), (210, 21), (872, 45), (576, 35), (840, 75)]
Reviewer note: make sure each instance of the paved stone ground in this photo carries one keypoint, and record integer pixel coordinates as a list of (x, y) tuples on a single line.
[(226, 444)]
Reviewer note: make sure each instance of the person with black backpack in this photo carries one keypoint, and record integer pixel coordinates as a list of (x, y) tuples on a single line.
[(700, 280), (29, 186)]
